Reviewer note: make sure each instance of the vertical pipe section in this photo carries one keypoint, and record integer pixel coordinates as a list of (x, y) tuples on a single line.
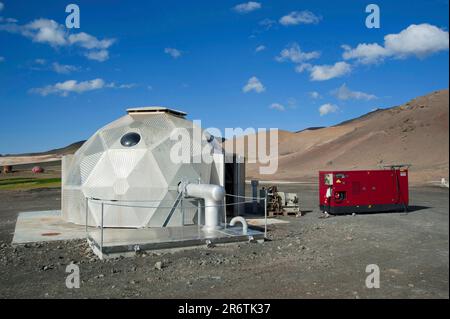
[(213, 196)]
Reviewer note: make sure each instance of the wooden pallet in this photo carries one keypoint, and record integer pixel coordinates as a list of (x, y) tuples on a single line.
[(273, 213)]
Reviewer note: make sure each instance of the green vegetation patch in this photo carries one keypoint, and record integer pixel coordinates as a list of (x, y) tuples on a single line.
[(29, 183)]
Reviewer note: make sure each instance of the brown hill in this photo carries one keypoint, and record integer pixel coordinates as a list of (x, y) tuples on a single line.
[(416, 133), (48, 156)]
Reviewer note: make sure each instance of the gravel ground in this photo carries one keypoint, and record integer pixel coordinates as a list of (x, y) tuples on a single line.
[(307, 258)]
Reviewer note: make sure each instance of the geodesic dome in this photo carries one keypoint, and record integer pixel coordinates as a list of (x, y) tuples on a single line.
[(127, 163)]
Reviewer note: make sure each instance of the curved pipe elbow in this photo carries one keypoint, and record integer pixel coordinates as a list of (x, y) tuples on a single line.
[(206, 191), (239, 219)]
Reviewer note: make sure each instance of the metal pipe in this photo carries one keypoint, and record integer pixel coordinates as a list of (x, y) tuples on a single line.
[(199, 212), (213, 196), (101, 231), (182, 212), (225, 211), (87, 212), (239, 219)]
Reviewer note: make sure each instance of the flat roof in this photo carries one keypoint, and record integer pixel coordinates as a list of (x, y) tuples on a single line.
[(155, 109)]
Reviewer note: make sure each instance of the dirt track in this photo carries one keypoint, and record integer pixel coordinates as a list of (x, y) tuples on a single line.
[(307, 258)]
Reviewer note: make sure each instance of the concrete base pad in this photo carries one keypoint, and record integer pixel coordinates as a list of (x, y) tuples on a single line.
[(45, 226)]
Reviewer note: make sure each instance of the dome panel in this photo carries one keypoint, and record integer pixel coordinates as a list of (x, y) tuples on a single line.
[(124, 161), (156, 121), (87, 165), (93, 146), (147, 173), (102, 175), (121, 186)]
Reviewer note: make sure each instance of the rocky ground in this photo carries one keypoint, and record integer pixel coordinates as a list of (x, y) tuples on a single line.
[(309, 257)]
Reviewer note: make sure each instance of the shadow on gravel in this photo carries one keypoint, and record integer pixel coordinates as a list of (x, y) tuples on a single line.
[(411, 209), (415, 208)]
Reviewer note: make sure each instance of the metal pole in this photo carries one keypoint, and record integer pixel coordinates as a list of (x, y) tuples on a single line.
[(199, 204), (199, 213), (182, 212), (87, 212), (101, 235), (225, 210), (265, 217)]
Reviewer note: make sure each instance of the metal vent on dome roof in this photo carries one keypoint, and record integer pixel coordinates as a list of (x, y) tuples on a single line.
[(155, 110)]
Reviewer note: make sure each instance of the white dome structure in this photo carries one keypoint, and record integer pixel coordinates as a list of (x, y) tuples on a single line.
[(127, 164)]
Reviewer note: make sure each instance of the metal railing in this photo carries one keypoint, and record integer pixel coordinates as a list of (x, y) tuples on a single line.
[(104, 203)]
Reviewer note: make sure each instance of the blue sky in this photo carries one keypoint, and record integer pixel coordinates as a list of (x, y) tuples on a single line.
[(270, 64)]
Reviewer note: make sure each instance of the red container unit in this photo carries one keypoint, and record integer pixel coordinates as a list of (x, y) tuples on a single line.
[(346, 192)]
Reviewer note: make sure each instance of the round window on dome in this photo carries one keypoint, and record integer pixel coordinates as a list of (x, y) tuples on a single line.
[(130, 139)]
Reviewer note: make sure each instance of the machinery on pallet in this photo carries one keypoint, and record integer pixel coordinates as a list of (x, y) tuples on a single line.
[(280, 203), (364, 191)]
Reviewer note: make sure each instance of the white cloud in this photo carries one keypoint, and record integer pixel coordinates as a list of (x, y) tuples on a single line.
[(88, 41), (73, 86), (2, 6), (327, 72), (327, 109), (174, 53), (299, 17), (260, 48), (277, 107), (292, 102), (63, 68), (365, 53), (344, 93), (8, 20), (70, 86), (254, 84), (113, 85), (247, 7), (45, 31), (50, 32), (101, 55), (315, 95), (294, 54), (40, 61), (417, 40), (303, 67), (267, 23)]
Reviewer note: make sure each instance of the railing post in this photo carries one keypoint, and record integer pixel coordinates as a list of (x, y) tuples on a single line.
[(182, 212), (225, 210), (265, 217), (199, 212), (199, 207), (87, 214), (101, 230)]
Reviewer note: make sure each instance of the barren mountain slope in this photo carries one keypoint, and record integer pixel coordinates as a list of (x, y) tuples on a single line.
[(416, 133)]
